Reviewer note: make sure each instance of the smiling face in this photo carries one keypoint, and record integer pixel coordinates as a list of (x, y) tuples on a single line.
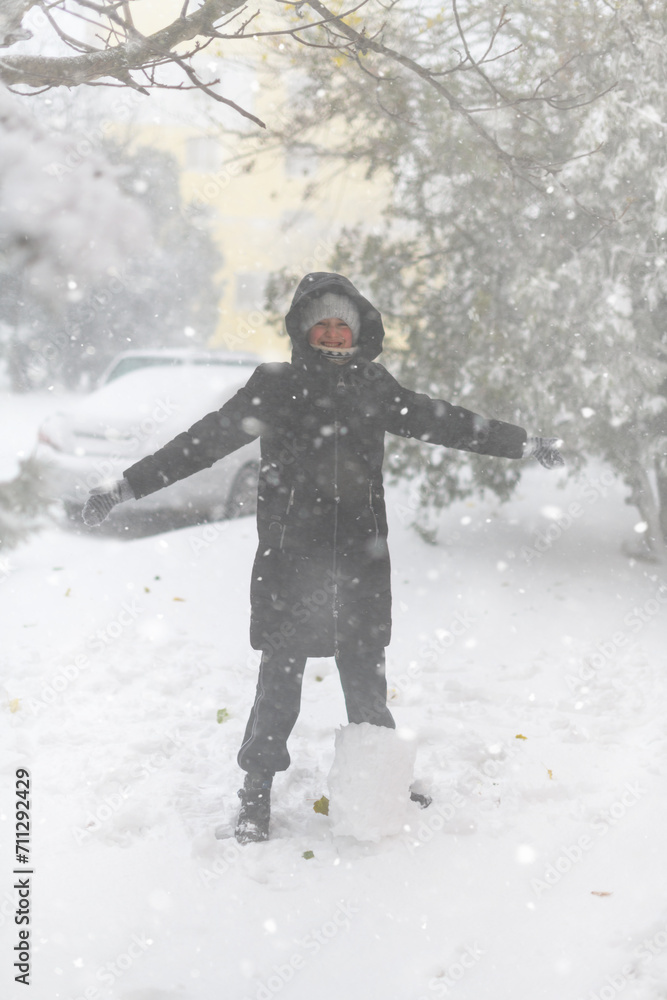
[(331, 333)]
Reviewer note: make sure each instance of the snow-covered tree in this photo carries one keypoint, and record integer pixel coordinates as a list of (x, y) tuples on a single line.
[(52, 231), (24, 505), (52, 226), (537, 296), (56, 230), (165, 293)]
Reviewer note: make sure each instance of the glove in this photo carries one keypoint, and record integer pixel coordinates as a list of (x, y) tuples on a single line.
[(544, 450), (102, 500)]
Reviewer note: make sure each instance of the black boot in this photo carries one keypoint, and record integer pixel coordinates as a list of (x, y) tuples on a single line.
[(252, 824), (422, 799)]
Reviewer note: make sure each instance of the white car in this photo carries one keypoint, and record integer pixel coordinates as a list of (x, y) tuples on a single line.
[(92, 442), (167, 357)]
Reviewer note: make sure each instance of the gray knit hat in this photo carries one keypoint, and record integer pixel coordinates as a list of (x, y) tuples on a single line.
[(331, 305)]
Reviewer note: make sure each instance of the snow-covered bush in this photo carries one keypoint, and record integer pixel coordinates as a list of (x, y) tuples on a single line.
[(24, 504)]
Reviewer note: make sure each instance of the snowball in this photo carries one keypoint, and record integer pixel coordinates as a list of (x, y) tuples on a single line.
[(369, 782)]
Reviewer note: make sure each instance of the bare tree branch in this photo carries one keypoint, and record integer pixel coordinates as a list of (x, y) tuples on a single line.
[(294, 32), (122, 51), (364, 43), (353, 43), (477, 66), (134, 54), (119, 52), (206, 88)]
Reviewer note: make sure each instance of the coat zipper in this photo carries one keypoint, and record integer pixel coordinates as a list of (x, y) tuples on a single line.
[(287, 510), (335, 538), (340, 387)]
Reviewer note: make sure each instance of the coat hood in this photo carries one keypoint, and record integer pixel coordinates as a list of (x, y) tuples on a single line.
[(371, 332)]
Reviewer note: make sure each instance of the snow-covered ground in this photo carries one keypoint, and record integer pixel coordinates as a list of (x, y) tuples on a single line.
[(529, 667)]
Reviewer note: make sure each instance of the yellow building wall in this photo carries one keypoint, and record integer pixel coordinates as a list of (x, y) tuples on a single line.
[(263, 225), (259, 217)]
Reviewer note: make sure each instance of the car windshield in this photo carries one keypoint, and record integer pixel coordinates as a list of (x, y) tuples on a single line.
[(127, 365)]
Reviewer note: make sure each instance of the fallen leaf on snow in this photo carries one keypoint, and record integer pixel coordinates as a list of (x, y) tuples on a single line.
[(322, 806)]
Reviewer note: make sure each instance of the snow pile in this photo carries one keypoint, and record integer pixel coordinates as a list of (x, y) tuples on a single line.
[(369, 782)]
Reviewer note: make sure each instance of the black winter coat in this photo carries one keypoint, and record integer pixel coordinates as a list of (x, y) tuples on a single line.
[(321, 575)]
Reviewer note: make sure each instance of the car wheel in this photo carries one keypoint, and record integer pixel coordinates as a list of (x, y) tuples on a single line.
[(242, 499)]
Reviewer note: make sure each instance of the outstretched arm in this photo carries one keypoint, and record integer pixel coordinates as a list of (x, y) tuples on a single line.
[(217, 434), (414, 414)]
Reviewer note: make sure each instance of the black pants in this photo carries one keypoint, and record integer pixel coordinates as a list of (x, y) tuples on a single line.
[(278, 699)]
